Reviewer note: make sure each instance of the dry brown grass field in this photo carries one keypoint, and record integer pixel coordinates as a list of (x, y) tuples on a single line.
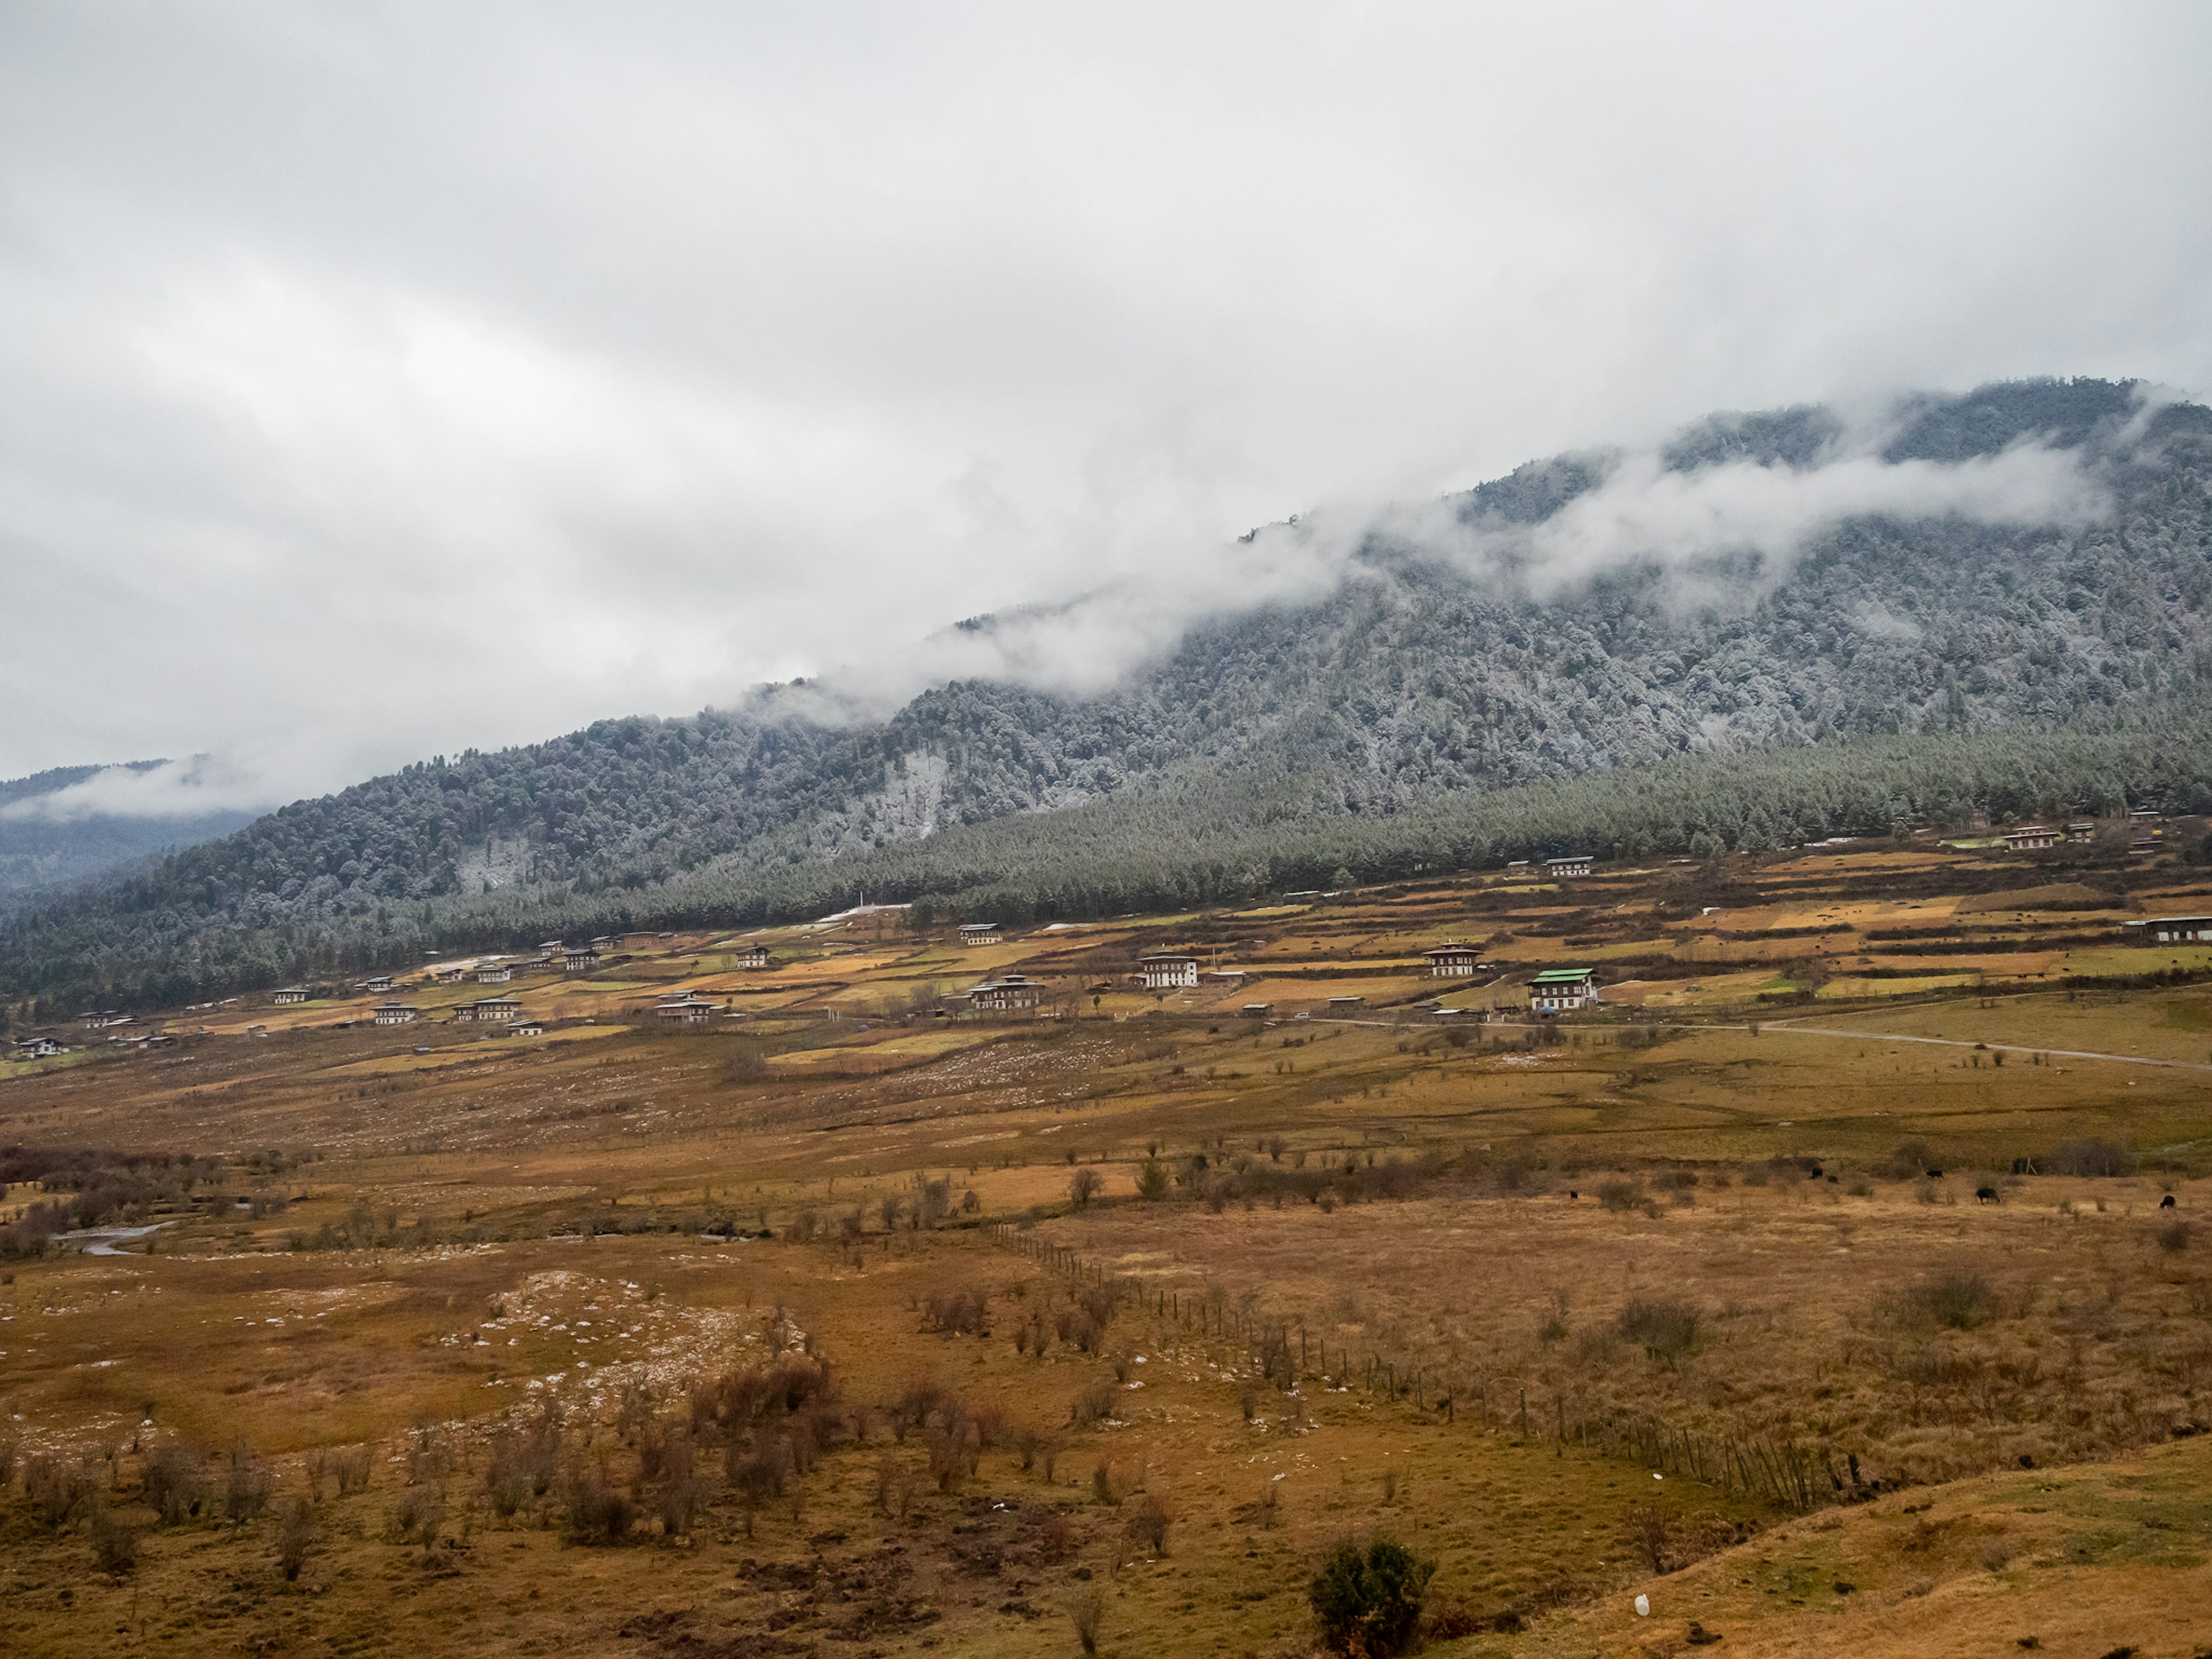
[(841, 1326)]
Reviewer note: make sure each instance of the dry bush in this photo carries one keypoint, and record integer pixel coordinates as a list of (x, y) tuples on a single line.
[(1094, 1404), (1620, 1196), (1648, 1529), (246, 1484), (963, 1311), (1956, 1301), (1087, 1611), (1665, 1328), (1055, 1535), (417, 1514), (950, 1458), (523, 1462), (352, 1468), (1145, 1522), (760, 1472), (114, 1544), (1247, 1402), (55, 1484), (1083, 1187), (11, 1451), (174, 1482), (297, 1529), (2090, 1157), (598, 1510), (1452, 1618)]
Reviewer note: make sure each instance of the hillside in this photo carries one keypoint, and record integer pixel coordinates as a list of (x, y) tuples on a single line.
[(1428, 685)]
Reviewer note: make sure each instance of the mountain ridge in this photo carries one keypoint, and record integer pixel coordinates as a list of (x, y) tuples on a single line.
[(1411, 682)]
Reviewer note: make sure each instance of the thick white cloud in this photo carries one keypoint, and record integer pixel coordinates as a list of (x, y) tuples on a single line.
[(380, 382)]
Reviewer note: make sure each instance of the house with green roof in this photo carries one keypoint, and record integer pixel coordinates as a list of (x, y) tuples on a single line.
[(1562, 990)]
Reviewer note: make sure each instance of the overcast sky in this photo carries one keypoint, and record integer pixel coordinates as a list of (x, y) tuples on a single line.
[(377, 381)]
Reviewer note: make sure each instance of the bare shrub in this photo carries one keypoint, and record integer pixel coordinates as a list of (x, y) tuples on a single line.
[(1648, 1529), (1666, 1330), (1995, 1554), (296, 1536), (2091, 1157), (523, 1463), (55, 1484), (1620, 1196), (1083, 1187), (352, 1468), (1248, 1401), (417, 1514), (114, 1544), (175, 1482), (962, 1310), (1055, 1535), (1087, 1611), (1959, 1301), (1145, 1522), (598, 1511), (1094, 1404), (246, 1483)]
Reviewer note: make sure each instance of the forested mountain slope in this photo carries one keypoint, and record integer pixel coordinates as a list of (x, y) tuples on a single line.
[(1425, 682)]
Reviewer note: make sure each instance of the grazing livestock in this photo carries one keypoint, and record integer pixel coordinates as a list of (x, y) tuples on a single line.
[(1934, 1175), (1986, 1194), (2165, 1203)]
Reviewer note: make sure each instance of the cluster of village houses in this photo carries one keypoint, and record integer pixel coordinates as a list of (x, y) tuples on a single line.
[(1553, 991)]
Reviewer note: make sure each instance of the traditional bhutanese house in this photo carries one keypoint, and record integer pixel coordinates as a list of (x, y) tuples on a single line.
[(2082, 827), (1344, 1005), (37, 1047), (1574, 864), (753, 956), (1166, 971), (527, 1027), (551, 947), (979, 932), (2141, 848), (1014, 994), (498, 973), (2145, 814), (395, 1013), (686, 1010), (1452, 960), (450, 975), (2031, 838), (99, 1018), (1257, 1010), (1562, 990), (498, 1009), (2173, 930), (575, 958), (291, 993), (380, 983)]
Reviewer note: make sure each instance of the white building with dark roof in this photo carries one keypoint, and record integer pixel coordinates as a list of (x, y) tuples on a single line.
[(1167, 970)]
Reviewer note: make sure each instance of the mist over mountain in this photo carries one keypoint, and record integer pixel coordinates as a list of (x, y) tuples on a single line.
[(2035, 557), (53, 832)]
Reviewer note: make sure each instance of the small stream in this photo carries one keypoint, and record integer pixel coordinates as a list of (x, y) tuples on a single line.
[(102, 1241)]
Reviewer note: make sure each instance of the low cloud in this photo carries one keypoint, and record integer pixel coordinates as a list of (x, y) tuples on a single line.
[(1643, 515), (198, 788)]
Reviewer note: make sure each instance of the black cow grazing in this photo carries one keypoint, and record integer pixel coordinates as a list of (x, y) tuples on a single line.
[(2165, 1203), (1934, 1175), (1986, 1194)]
